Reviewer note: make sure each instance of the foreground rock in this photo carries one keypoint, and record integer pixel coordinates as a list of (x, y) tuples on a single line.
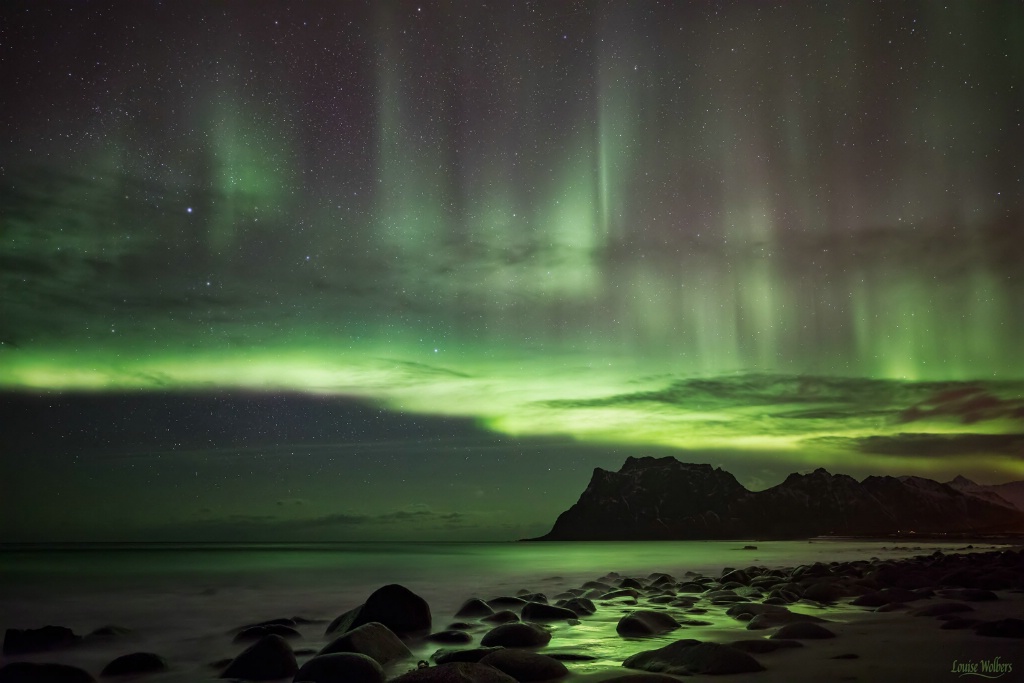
[(455, 672), (803, 630), (268, 658), (135, 663), (341, 666), (395, 606), (689, 657), (645, 623), (525, 666), (375, 640), (29, 672), (24, 641)]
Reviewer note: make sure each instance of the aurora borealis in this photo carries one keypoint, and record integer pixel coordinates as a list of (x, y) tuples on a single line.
[(411, 270)]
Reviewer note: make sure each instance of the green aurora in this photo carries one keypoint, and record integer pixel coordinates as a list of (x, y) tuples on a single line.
[(772, 238)]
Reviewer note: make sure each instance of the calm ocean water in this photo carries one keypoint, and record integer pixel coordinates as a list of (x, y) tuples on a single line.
[(181, 601)]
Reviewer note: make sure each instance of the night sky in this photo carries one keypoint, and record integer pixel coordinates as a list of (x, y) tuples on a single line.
[(411, 270)]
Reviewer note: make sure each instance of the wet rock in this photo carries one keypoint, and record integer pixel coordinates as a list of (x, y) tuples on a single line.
[(689, 657), (444, 656), (506, 602), (395, 606), (538, 611), (30, 672), (755, 608), (824, 591), (23, 641), (645, 623), (749, 547), (532, 597), (581, 606), (268, 658), (502, 617), (474, 607), (524, 665), (631, 583), (135, 663), (455, 672), (571, 657), (341, 666), (847, 655), (803, 630), (623, 593), (520, 634), (1003, 628), (759, 646), (691, 588), (374, 640)]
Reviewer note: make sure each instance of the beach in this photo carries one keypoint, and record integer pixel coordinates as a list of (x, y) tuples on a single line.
[(889, 612)]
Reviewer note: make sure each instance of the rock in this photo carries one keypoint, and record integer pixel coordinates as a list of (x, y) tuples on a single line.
[(688, 657), (848, 655), (502, 617), (444, 655), (280, 621), (755, 608), (524, 665), (749, 547), (474, 607), (824, 591), (538, 611), (581, 606), (506, 602), (254, 633), (773, 619), (531, 597), (520, 634), (374, 640), (23, 641), (691, 588), (803, 630), (450, 637), (395, 606), (759, 646), (571, 657), (628, 593), (341, 666), (30, 672), (645, 623), (268, 658), (1003, 628), (135, 663), (941, 608), (455, 672)]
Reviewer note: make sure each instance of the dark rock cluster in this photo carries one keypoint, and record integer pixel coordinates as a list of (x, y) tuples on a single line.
[(772, 608)]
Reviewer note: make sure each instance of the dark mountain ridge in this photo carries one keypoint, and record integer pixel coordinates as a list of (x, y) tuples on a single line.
[(665, 499)]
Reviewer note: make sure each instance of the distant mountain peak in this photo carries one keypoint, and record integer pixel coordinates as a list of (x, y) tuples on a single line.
[(664, 499), (960, 480)]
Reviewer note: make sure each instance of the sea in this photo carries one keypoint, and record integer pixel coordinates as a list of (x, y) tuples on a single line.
[(185, 601)]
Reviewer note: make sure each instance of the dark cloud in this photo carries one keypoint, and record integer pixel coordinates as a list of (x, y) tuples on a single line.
[(967, 403), (936, 445)]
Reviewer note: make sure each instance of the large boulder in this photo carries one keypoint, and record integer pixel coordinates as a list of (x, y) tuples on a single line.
[(341, 666), (268, 658), (253, 633), (395, 606), (474, 607), (135, 663), (773, 619), (23, 641), (375, 640), (520, 634), (539, 611), (689, 657), (30, 672), (455, 672), (642, 623), (525, 666)]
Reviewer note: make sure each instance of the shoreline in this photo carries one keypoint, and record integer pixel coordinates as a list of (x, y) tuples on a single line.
[(883, 641)]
